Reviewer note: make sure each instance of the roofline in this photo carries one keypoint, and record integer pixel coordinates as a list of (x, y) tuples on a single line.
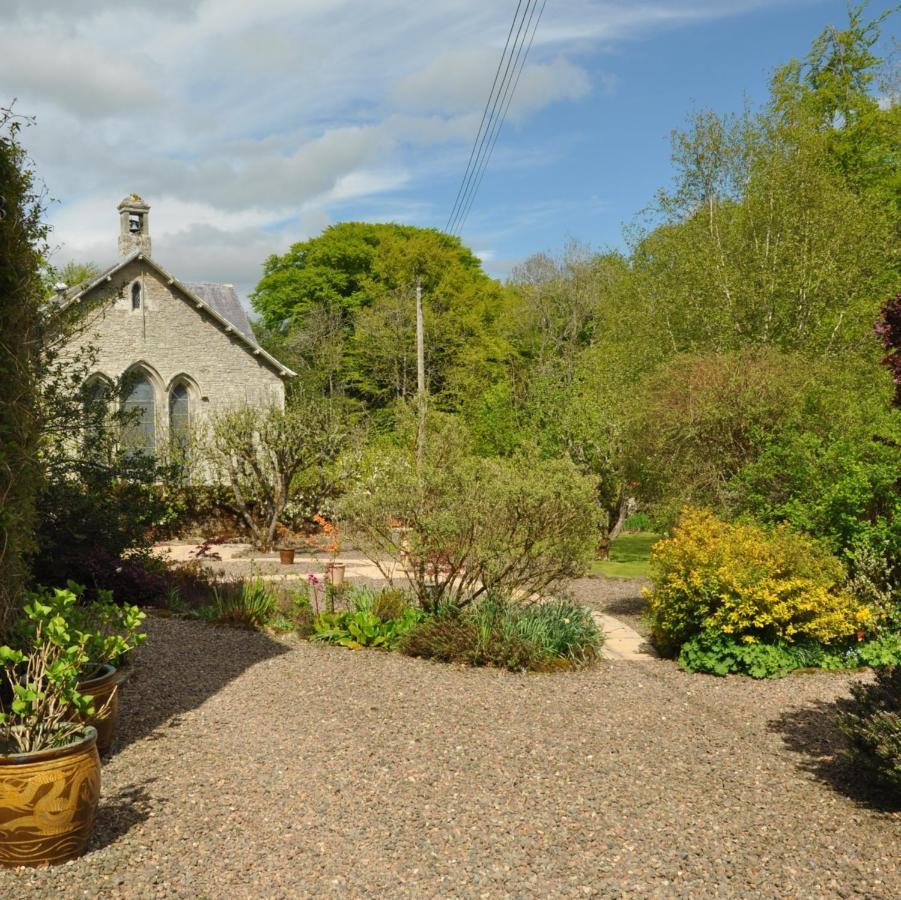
[(229, 327)]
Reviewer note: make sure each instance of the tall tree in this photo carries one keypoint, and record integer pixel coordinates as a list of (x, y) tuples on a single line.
[(355, 285), (22, 244)]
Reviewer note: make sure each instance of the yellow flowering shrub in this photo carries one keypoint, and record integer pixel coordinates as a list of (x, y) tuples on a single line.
[(747, 583)]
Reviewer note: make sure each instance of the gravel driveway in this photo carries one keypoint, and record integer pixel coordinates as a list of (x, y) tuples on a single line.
[(251, 767)]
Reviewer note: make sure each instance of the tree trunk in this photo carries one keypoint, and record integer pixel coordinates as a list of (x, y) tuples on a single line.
[(627, 506)]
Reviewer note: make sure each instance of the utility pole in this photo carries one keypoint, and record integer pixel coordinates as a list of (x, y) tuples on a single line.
[(420, 372)]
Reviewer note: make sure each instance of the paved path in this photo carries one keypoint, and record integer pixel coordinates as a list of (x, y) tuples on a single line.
[(622, 641)]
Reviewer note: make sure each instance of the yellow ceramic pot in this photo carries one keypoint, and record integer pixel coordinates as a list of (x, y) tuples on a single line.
[(102, 687), (48, 801)]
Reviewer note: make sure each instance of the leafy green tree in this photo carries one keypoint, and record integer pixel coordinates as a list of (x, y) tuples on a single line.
[(762, 244), (344, 303), (22, 247), (831, 91)]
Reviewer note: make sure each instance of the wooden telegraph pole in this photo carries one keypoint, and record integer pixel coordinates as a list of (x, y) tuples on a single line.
[(420, 373)]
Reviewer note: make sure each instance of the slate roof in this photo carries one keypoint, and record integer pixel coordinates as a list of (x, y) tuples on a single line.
[(223, 299), (219, 300)]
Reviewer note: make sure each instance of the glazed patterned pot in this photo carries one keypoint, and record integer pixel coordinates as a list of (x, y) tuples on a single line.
[(102, 686), (48, 801)]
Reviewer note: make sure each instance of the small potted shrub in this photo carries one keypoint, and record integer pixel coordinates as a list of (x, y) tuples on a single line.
[(110, 633), (49, 764)]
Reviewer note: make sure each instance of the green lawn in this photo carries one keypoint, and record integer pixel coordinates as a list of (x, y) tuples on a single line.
[(629, 557)]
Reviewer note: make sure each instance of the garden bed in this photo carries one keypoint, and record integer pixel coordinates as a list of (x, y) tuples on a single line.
[(252, 766)]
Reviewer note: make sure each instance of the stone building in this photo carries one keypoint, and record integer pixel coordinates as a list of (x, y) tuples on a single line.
[(183, 350)]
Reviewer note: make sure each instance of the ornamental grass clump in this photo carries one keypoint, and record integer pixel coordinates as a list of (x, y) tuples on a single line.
[(722, 591), (247, 603)]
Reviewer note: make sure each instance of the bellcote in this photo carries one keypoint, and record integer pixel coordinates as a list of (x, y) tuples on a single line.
[(134, 226)]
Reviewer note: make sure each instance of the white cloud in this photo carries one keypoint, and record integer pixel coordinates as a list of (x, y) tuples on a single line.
[(458, 80), (249, 125)]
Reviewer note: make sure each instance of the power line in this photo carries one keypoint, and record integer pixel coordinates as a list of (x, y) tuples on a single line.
[(490, 103), (500, 121), (497, 103)]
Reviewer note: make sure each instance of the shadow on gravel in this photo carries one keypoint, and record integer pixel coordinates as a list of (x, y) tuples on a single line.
[(118, 814), (182, 664), (627, 606), (813, 733)]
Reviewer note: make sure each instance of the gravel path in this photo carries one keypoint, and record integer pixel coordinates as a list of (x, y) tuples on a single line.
[(251, 767)]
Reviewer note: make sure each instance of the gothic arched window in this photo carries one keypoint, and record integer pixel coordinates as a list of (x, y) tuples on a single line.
[(95, 400), (138, 405), (179, 415), (136, 296)]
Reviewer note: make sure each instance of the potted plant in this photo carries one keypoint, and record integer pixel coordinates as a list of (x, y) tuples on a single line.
[(49, 764), (287, 544), (110, 632), (286, 556)]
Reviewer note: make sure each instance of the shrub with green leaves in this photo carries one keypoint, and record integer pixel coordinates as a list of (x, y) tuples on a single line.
[(107, 630), (750, 585), (42, 706), (533, 636), (873, 726), (459, 526)]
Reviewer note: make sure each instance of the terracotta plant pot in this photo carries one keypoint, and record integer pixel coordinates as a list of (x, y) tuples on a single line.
[(335, 573), (286, 556), (48, 801), (103, 685)]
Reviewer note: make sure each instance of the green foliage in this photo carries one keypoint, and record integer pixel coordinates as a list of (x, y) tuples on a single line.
[(720, 654), (515, 636), (250, 604), (459, 526), (390, 603), (841, 487), (99, 501), (774, 435), (371, 620), (342, 310), (22, 245), (42, 706), (873, 726), (749, 585), (107, 630)]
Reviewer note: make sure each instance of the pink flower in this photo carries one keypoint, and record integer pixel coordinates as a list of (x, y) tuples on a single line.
[(312, 579)]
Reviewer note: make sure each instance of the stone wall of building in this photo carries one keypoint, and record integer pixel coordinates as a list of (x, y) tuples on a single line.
[(173, 342)]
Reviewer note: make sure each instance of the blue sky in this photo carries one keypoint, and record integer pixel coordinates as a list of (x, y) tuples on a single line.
[(250, 126)]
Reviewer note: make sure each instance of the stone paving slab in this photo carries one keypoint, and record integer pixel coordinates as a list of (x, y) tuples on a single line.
[(622, 642)]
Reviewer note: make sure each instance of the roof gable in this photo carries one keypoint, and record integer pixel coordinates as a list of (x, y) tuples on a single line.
[(218, 301)]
